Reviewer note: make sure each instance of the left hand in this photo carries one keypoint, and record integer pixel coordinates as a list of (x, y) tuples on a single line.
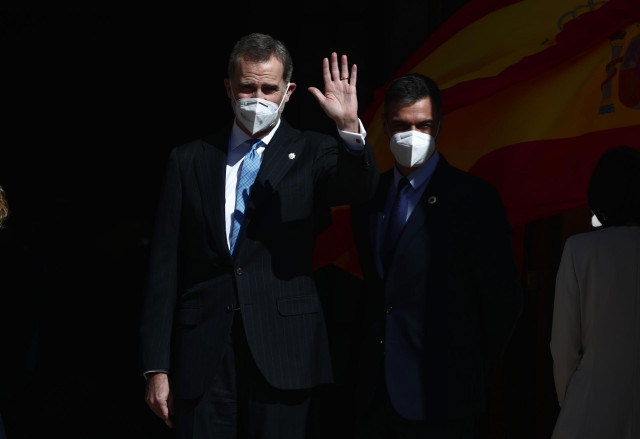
[(340, 100)]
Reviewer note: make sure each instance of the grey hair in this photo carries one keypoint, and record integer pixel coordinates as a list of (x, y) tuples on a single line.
[(259, 47)]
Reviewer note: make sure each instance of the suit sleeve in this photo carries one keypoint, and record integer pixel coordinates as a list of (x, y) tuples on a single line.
[(160, 290), (497, 276), (344, 177), (565, 342)]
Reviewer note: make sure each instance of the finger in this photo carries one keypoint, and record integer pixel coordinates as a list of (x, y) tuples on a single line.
[(334, 67), (317, 94), (326, 75), (160, 410), (169, 411), (345, 68), (170, 404), (354, 75), (165, 414)]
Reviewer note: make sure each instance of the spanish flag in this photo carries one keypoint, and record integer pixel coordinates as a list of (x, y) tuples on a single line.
[(533, 92)]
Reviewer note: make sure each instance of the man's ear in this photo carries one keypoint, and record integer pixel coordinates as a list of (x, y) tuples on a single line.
[(292, 87), (439, 128)]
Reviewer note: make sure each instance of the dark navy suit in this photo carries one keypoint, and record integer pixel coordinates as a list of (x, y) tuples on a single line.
[(437, 322)]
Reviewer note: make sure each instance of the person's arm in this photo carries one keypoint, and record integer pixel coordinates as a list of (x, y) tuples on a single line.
[(566, 341), (496, 274), (350, 174), (160, 294)]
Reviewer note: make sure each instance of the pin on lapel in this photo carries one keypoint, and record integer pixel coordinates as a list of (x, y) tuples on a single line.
[(431, 199), (292, 156)]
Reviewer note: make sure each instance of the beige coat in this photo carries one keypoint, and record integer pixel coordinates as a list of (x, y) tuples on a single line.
[(595, 338)]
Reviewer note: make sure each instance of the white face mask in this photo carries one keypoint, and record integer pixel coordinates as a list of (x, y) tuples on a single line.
[(412, 148), (257, 114)]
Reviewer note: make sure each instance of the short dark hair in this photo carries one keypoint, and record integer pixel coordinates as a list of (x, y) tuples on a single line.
[(410, 88), (259, 47), (614, 188)]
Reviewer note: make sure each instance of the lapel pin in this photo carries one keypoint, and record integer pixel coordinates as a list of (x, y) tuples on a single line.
[(292, 156), (431, 199)]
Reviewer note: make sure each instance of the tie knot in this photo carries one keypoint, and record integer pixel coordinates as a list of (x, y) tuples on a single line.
[(253, 143), (402, 184)]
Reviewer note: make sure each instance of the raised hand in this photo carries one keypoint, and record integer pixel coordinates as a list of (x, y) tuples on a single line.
[(339, 100)]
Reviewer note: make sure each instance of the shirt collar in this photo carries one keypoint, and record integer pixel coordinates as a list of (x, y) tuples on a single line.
[(421, 175), (238, 137)]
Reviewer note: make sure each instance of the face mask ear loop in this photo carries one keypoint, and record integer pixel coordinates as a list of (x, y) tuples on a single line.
[(438, 130), (284, 95), (233, 96)]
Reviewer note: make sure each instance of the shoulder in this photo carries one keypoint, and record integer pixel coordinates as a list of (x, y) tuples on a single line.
[(288, 133), (214, 142), (582, 245), (190, 146), (186, 151), (616, 237), (469, 185)]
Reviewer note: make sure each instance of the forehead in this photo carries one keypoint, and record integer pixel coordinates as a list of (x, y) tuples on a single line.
[(417, 111), (266, 71)]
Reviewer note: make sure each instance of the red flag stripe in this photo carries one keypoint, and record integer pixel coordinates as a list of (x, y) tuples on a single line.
[(546, 177)]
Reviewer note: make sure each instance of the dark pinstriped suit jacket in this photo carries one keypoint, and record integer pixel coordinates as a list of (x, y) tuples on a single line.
[(193, 282)]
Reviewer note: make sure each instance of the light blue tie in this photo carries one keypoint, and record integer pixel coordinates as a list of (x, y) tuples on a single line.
[(246, 176)]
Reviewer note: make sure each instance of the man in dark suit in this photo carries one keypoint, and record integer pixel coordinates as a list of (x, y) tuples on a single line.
[(233, 336), (442, 289)]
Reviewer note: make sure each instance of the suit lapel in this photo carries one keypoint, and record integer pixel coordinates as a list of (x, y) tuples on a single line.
[(211, 169), (424, 210), (278, 157)]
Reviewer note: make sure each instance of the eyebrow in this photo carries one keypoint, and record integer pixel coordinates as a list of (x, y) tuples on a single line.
[(421, 122), (269, 85)]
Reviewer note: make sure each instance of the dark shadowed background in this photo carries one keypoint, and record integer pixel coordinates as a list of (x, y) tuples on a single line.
[(93, 98)]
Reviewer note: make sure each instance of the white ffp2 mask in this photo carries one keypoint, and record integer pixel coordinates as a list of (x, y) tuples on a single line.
[(412, 148), (257, 114)]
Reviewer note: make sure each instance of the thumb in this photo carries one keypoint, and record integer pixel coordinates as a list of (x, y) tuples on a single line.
[(317, 94)]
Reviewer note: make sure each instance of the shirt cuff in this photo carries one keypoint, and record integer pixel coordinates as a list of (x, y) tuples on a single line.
[(354, 141), (146, 374)]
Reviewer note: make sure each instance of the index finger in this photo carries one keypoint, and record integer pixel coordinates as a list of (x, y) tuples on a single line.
[(326, 76)]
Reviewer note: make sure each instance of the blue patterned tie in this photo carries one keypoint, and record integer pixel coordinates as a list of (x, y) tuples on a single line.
[(246, 177), (397, 219)]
